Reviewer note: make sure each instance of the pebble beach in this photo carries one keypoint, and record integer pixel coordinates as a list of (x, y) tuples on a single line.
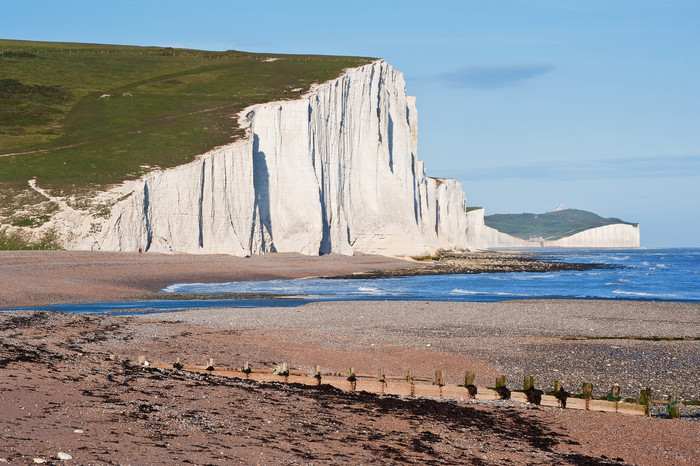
[(64, 373)]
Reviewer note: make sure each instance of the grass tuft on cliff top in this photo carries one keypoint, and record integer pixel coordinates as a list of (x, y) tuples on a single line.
[(81, 117)]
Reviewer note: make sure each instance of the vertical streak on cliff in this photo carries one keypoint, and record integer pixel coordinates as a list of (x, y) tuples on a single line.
[(390, 141), (201, 204), (317, 164), (146, 216), (261, 184), (416, 191)]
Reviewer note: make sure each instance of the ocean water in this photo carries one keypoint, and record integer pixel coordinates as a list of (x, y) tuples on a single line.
[(636, 274), (639, 274)]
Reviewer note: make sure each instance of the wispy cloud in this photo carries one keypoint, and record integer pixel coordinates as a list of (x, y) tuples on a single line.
[(493, 76), (616, 168)]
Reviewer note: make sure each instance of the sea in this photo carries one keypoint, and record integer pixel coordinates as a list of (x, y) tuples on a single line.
[(629, 274)]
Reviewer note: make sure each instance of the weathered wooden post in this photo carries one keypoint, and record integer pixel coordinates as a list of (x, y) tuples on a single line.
[(469, 378), (645, 400), (352, 379), (560, 394), (210, 365), (281, 370), (317, 373), (501, 388), (142, 360), (501, 381), (409, 379), (587, 393), (614, 395), (672, 407), (246, 370), (439, 378), (615, 392)]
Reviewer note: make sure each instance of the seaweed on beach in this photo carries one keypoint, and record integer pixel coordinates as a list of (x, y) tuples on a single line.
[(453, 263)]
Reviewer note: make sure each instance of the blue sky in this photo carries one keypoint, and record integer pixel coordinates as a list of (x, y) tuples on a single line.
[(529, 103)]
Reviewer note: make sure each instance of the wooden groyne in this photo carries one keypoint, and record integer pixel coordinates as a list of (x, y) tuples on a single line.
[(433, 387)]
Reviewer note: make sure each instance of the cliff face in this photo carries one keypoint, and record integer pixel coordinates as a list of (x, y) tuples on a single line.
[(609, 236), (335, 171)]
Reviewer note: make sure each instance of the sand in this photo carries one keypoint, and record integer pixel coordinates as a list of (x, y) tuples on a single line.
[(57, 375)]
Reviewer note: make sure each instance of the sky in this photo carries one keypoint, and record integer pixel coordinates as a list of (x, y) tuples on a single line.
[(592, 104)]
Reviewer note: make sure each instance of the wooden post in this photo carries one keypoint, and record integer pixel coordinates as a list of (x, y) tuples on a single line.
[(614, 395), (178, 364), (409, 379), (672, 407), (210, 365), (381, 376), (528, 382), (469, 378), (281, 370), (560, 394), (352, 379), (587, 393), (439, 378), (317, 373), (645, 400), (615, 392), (142, 360), (246, 370), (501, 381)]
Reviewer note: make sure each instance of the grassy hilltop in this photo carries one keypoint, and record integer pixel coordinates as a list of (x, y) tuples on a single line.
[(551, 225), (80, 117)]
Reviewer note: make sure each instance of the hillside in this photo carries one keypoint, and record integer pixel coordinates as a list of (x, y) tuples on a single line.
[(549, 226), (82, 117)]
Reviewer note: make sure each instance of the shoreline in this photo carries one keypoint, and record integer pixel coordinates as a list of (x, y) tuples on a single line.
[(35, 278)]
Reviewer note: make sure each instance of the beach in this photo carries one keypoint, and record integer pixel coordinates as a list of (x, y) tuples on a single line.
[(64, 373), (31, 278)]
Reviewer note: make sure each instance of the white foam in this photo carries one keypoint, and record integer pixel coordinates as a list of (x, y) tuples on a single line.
[(369, 289), (651, 295)]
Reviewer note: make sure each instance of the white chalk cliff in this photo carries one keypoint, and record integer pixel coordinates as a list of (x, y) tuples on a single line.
[(617, 235), (334, 171)]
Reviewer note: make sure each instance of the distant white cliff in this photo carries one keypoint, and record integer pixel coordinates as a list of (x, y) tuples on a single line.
[(618, 235), (334, 171)]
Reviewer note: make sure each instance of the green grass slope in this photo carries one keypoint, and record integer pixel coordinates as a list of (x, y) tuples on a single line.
[(550, 226), (80, 117)]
